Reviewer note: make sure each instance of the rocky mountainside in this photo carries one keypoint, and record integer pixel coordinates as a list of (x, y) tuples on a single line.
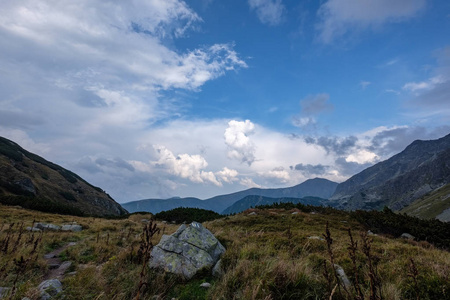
[(253, 201), (30, 181), (422, 167), (317, 187)]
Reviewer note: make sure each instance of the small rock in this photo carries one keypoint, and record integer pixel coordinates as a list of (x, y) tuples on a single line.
[(26, 298), (252, 213), (295, 213), (50, 288), (50, 255), (315, 237), (73, 227), (65, 265), (313, 213), (33, 229), (341, 274), (407, 236), (205, 285), (44, 226), (370, 233), (71, 244), (144, 221)]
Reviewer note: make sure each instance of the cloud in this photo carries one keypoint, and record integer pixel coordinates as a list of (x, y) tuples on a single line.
[(279, 174), (237, 139), (432, 94), (185, 166), (311, 107), (311, 170), (227, 175), (424, 85), (269, 12), (339, 17), (249, 183), (334, 144), (364, 84)]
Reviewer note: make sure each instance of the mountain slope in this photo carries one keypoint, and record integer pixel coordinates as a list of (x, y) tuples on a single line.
[(29, 180), (421, 168), (253, 201), (316, 187), (433, 205)]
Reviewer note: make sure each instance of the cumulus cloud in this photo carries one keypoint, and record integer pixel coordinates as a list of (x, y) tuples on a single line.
[(269, 12), (185, 166), (249, 183), (338, 17), (227, 175), (279, 174), (240, 147)]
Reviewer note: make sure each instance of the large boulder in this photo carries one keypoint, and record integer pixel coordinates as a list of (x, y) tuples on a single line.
[(188, 250)]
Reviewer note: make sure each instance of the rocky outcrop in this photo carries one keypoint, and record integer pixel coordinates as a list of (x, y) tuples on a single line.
[(187, 251)]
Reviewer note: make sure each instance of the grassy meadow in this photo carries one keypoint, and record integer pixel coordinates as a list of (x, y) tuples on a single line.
[(270, 255)]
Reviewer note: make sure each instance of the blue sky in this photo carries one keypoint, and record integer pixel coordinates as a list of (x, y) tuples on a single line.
[(204, 97)]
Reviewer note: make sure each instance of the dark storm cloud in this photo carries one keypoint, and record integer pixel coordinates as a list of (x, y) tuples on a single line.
[(339, 146), (311, 170)]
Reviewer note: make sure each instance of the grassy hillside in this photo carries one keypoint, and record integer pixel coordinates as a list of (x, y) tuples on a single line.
[(270, 255), (431, 205), (30, 181)]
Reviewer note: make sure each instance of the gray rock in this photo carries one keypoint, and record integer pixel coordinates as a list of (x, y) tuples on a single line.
[(53, 266), (252, 213), (34, 229), (49, 255), (44, 226), (407, 236), (145, 220), (295, 213), (50, 288), (72, 227), (187, 251), (217, 271), (26, 298), (205, 285), (315, 237), (341, 274)]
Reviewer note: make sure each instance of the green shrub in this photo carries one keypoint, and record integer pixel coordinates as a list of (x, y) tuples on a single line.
[(187, 214)]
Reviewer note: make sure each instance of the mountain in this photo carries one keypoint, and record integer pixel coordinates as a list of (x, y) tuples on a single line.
[(253, 201), (30, 181), (316, 187), (421, 168), (434, 205)]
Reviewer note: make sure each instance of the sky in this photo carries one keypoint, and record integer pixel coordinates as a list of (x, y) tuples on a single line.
[(166, 98)]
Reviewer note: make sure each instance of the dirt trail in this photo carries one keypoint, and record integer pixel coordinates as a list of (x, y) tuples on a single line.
[(57, 268)]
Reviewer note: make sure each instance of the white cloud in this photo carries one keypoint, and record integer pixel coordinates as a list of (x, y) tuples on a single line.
[(424, 85), (237, 139), (249, 183), (269, 11), (362, 157), (279, 174), (185, 166), (339, 17), (227, 175)]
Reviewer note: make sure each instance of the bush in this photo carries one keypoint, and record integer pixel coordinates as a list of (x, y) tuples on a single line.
[(187, 214)]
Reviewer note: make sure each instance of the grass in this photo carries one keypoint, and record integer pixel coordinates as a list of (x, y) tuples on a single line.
[(269, 256)]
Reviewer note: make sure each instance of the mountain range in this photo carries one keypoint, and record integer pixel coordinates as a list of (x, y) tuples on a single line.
[(30, 181), (317, 187)]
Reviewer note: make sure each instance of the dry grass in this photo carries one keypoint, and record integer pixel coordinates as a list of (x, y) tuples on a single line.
[(269, 256)]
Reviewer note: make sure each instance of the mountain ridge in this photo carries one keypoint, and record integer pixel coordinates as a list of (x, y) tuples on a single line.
[(28, 180), (398, 181), (318, 187)]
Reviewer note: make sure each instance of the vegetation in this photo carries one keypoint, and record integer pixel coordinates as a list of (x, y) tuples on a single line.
[(276, 253), (188, 215)]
